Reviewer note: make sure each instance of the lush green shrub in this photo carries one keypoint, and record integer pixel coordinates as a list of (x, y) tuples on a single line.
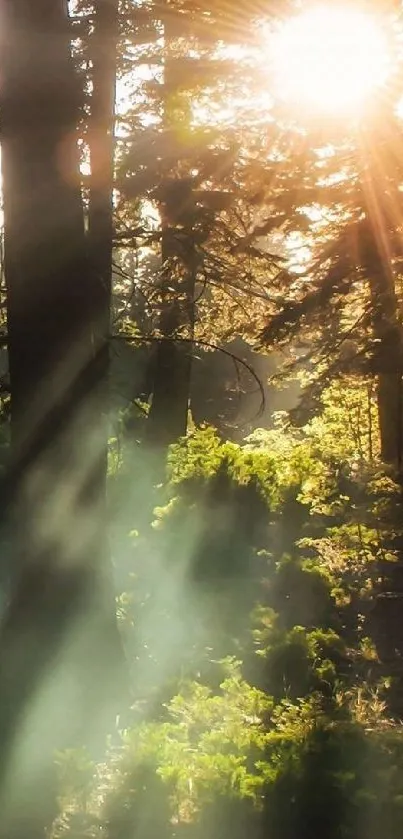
[(260, 700)]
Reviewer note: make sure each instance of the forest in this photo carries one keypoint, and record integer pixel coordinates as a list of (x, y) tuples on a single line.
[(201, 419)]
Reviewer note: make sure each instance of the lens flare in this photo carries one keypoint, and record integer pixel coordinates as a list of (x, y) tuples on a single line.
[(330, 59)]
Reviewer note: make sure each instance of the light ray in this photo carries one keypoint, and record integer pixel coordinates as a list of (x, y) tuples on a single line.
[(330, 59)]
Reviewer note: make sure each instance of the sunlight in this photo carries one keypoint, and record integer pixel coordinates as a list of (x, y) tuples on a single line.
[(330, 59)]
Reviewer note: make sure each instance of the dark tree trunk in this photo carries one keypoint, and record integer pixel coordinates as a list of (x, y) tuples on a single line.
[(103, 49), (386, 325), (173, 359), (167, 420), (388, 360), (60, 651), (168, 415), (388, 369), (103, 52)]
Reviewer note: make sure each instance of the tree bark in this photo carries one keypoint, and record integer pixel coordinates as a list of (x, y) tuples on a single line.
[(168, 414), (103, 53), (386, 324), (60, 652), (387, 359)]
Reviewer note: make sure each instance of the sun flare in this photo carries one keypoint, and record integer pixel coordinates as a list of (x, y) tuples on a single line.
[(330, 59)]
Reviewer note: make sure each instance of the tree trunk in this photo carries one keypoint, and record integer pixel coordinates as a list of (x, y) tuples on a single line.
[(388, 361), (60, 652), (168, 415), (386, 326), (103, 49), (103, 52)]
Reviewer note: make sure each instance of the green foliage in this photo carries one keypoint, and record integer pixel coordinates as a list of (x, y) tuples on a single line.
[(202, 454), (261, 701)]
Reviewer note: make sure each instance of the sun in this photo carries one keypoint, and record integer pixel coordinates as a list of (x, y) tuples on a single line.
[(330, 59)]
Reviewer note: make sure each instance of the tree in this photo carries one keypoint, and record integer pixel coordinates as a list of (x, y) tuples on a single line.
[(201, 176), (61, 656), (347, 302)]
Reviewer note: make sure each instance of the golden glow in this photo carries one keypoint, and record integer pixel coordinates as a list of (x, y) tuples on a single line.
[(330, 59)]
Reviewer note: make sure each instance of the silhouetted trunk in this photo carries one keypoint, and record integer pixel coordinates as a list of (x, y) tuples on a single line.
[(167, 419), (103, 51), (388, 368), (168, 414), (388, 360), (386, 326), (173, 362), (61, 657), (390, 417)]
